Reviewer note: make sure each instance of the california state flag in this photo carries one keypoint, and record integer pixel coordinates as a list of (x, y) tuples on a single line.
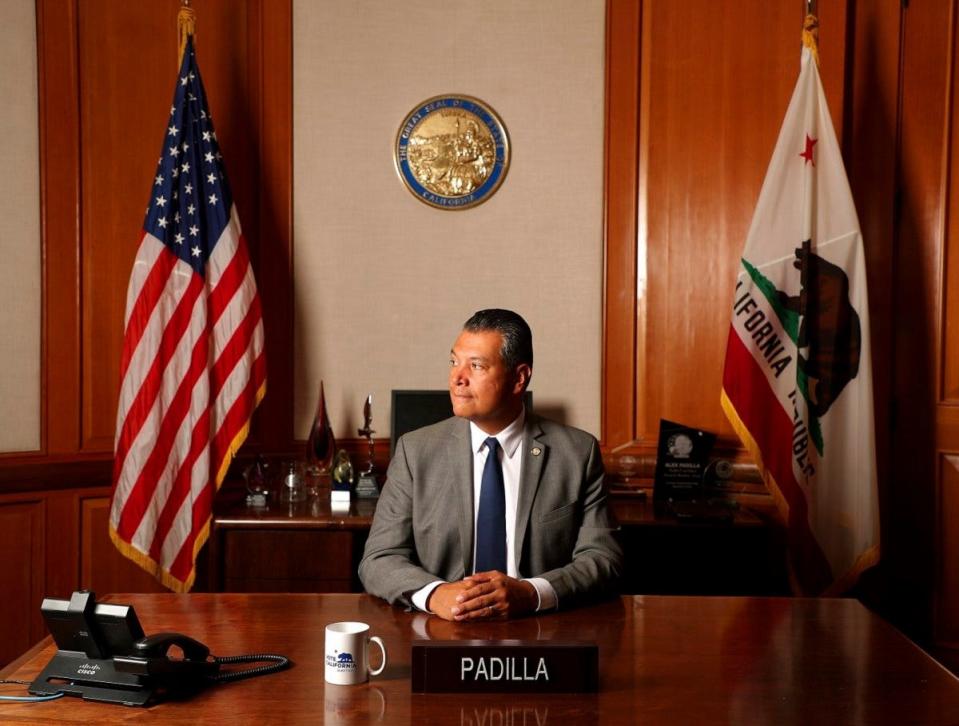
[(797, 384)]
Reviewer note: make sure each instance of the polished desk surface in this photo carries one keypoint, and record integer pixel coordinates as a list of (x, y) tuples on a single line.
[(672, 660)]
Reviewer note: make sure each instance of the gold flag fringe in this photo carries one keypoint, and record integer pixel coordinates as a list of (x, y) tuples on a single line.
[(846, 580)]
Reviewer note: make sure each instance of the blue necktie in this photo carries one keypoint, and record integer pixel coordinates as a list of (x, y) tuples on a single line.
[(491, 518)]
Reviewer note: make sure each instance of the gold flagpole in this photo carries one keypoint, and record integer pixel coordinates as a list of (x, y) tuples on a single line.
[(810, 30), (186, 26)]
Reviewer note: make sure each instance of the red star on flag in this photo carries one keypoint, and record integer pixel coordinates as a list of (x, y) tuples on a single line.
[(807, 154)]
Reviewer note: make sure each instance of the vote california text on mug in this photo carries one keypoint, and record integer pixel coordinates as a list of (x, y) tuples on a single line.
[(348, 653)]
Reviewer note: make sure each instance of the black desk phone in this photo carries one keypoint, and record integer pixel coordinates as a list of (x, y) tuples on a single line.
[(103, 655)]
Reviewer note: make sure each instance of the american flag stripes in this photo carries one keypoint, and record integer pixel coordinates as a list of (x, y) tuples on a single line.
[(193, 366)]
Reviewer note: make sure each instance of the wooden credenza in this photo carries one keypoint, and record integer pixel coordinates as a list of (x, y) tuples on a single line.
[(302, 547), (307, 547)]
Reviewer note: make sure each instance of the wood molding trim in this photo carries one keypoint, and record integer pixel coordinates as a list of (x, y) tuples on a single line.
[(946, 589), (620, 223), (274, 245), (918, 531), (59, 100)]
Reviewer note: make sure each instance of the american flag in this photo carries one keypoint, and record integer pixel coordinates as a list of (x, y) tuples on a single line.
[(193, 366)]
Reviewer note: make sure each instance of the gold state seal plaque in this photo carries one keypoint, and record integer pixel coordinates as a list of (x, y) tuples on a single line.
[(452, 152)]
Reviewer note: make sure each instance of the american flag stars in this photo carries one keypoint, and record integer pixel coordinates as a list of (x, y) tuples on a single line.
[(192, 196)]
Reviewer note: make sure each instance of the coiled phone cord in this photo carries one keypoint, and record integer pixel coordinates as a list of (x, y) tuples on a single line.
[(280, 662)]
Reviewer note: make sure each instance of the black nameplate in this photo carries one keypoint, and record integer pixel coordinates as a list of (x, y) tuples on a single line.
[(505, 666)]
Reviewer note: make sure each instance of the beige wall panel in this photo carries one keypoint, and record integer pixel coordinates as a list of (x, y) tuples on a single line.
[(20, 297), (382, 281)]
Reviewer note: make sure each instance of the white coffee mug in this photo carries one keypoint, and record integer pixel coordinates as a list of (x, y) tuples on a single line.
[(348, 653)]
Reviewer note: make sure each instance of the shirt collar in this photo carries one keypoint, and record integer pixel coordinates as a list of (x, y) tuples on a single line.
[(509, 438)]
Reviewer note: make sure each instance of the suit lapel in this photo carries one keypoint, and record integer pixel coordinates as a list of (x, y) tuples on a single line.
[(533, 441), (459, 457)]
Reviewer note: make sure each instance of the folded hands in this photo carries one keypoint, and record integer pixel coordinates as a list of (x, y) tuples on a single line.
[(483, 596)]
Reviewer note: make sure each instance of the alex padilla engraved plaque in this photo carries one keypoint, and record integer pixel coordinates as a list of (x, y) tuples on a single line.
[(452, 151), (681, 459), (504, 666)]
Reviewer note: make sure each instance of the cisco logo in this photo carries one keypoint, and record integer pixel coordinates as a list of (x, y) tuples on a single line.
[(88, 669)]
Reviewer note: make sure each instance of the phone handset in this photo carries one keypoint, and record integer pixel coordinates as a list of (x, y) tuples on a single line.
[(154, 646), (151, 657)]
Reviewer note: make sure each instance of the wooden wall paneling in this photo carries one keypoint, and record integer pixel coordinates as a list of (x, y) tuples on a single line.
[(128, 60), (947, 564), (287, 561), (916, 292), (22, 580), (946, 613), (695, 115), (949, 333), (272, 248), (102, 568), (61, 556), (60, 198), (704, 120), (869, 139), (835, 20), (622, 167), (715, 110), (123, 58)]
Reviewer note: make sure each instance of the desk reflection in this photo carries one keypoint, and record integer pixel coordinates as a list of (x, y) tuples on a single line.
[(504, 716), (362, 703), (606, 630)]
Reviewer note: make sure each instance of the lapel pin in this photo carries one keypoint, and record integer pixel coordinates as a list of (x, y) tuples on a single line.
[(537, 451)]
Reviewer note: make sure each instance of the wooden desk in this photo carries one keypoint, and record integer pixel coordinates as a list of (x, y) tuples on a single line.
[(306, 547), (662, 660)]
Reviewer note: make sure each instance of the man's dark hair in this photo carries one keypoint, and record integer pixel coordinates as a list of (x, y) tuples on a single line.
[(517, 344)]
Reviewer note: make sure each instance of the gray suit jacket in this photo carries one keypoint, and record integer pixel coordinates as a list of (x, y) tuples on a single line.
[(423, 526)]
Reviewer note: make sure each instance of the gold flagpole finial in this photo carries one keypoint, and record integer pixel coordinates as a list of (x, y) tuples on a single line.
[(186, 25), (810, 33)]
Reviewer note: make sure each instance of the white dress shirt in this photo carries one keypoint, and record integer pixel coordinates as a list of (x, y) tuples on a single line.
[(511, 458)]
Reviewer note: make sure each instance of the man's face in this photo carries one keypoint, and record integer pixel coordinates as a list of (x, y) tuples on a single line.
[(482, 389)]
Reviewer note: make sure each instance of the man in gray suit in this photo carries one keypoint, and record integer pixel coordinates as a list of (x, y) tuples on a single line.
[(496, 512)]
